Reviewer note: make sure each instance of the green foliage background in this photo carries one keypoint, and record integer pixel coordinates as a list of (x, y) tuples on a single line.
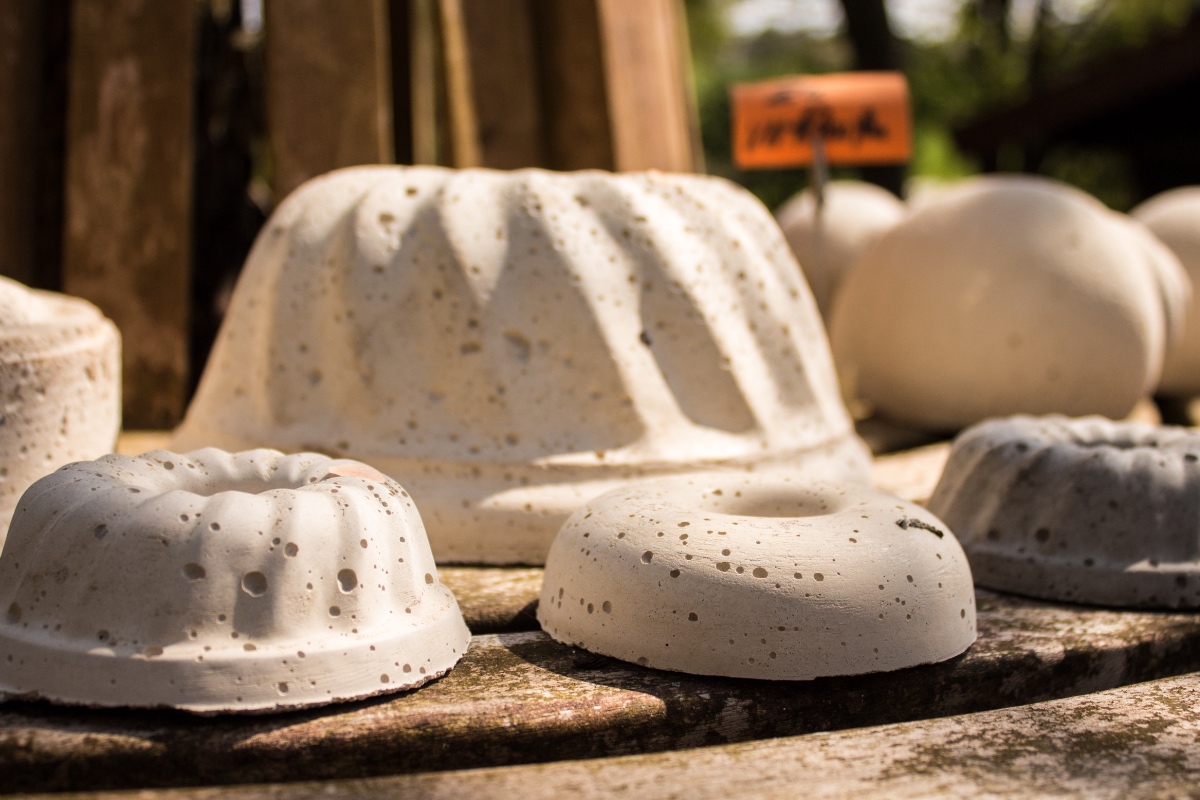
[(984, 66)]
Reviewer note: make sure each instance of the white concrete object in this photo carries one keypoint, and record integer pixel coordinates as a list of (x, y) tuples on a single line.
[(1174, 284), (826, 244), (510, 345), (60, 387), (217, 582), (755, 577), (1174, 217), (1083, 510), (1009, 295)]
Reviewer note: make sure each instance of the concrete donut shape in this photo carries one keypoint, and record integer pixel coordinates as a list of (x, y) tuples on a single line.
[(1083, 510), (217, 582), (758, 577)]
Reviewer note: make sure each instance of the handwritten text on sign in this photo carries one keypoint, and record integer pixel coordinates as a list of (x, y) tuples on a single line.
[(859, 117)]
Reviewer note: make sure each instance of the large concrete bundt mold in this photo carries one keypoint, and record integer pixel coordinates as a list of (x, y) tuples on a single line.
[(754, 577), (509, 345), (1174, 217), (1081, 510), (60, 387), (827, 242), (1007, 295), (211, 582)]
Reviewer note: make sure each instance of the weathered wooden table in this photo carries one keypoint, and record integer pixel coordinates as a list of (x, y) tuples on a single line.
[(1017, 714)]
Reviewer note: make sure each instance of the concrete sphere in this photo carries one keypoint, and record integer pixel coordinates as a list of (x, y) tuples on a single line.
[(1010, 295), (1174, 217), (854, 215)]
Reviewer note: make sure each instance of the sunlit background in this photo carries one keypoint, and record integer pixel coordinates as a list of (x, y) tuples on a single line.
[(963, 58)]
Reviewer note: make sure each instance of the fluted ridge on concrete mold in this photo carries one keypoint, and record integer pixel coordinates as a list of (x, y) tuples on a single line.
[(218, 582), (508, 345)]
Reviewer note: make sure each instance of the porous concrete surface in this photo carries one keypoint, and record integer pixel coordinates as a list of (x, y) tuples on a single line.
[(508, 345)]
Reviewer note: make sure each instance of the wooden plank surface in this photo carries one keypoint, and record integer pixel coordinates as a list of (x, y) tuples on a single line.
[(912, 474), (328, 87), (1134, 742), (128, 188), (520, 697)]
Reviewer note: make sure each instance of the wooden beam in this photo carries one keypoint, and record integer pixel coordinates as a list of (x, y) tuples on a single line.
[(21, 45), (572, 88), (400, 42), (460, 96), (33, 81), (615, 85), (128, 188), (499, 58), (521, 697), (649, 92), (328, 87), (426, 83)]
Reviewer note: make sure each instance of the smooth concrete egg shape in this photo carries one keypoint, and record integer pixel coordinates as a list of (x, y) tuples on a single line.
[(60, 387), (1008, 295), (1082, 510), (509, 345), (1174, 217), (1173, 281), (828, 242), (758, 577), (217, 582)]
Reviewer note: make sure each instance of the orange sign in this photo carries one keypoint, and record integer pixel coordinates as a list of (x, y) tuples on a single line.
[(858, 117)]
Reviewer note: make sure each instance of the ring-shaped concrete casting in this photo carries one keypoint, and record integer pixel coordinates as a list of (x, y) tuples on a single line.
[(758, 577), (1083, 510), (217, 582)]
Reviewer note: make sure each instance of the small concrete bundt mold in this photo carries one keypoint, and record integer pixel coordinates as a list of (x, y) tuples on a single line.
[(1174, 217), (217, 582), (60, 387), (508, 345), (1007, 295), (827, 243), (756, 577), (1081, 510)]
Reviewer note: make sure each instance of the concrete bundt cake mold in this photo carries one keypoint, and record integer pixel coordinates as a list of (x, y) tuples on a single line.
[(1008, 295), (828, 242), (1174, 217), (508, 345), (754, 577), (60, 387), (1082, 510), (217, 582)]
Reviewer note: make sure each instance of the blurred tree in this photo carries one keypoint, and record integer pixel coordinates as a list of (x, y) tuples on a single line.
[(989, 62)]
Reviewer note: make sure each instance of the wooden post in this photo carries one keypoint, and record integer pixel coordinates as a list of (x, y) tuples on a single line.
[(615, 85), (20, 57), (501, 83), (33, 53), (328, 87), (128, 188), (460, 97), (649, 93)]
